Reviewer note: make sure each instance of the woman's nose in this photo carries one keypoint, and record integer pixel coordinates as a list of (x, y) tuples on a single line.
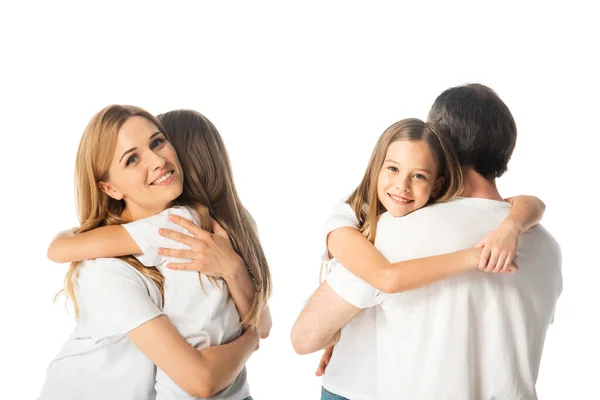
[(156, 161)]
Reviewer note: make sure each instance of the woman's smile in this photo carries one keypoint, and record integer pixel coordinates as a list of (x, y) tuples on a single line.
[(164, 179)]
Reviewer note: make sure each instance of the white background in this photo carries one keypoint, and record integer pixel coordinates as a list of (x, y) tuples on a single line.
[(300, 94)]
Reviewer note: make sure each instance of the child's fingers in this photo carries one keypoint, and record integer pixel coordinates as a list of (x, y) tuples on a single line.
[(500, 263), (218, 230), (509, 259), (194, 229), (177, 236), (513, 268), (492, 261), (188, 266), (483, 259)]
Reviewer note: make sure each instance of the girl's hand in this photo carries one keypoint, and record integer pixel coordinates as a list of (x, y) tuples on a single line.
[(212, 253), (253, 332), (499, 249), (324, 361)]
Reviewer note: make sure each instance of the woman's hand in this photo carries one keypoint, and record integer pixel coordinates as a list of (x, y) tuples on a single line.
[(324, 361), (499, 249), (211, 253)]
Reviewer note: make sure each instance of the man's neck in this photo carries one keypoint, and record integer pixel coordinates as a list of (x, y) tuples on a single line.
[(478, 186)]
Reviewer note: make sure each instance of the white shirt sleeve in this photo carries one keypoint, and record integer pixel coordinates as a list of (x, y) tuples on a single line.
[(342, 215), (351, 288), (114, 298), (144, 233)]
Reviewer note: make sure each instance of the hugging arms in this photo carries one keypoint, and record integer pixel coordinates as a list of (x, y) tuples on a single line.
[(136, 311)]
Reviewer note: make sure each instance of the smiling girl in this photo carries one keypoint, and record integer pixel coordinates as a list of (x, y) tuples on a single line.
[(412, 165)]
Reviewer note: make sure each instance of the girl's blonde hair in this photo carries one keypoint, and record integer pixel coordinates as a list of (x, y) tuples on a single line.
[(94, 207), (365, 200), (208, 178)]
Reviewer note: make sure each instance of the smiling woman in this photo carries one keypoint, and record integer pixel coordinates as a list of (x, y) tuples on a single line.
[(127, 172), (146, 172)]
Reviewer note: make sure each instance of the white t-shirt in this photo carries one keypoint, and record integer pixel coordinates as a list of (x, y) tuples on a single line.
[(204, 315), (98, 362), (473, 336), (352, 370)]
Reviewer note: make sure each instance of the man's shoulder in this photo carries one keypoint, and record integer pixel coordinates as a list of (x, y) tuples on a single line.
[(453, 207), (539, 238), (442, 227)]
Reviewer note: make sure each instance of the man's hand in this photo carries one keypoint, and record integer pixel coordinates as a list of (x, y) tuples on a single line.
[(324, 361)]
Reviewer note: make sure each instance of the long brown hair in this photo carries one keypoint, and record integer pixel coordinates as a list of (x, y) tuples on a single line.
[(94, 207), (365, 200), (208, 178)]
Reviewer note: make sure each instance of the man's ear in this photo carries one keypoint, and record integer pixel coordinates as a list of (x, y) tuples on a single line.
[(110, 190), (437, 187)]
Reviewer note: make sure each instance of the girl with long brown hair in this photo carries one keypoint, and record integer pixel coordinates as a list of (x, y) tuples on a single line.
[(128, 181), (412, 165)]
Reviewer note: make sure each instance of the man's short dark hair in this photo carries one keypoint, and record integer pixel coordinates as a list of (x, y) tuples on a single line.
[(481, 127)]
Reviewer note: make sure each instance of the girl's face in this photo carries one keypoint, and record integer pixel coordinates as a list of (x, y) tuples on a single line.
[(145, 171), (408, 177)]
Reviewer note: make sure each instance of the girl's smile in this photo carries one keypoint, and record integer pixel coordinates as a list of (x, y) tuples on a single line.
[(408, 177)]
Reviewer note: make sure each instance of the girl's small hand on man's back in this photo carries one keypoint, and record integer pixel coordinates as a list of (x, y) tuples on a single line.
[(499, 249)]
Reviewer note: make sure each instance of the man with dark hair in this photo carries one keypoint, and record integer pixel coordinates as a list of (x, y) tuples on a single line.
[(472, 336), (482, 128)]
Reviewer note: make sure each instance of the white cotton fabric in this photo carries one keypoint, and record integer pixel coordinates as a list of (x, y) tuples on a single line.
[(352, 370), (474, 336), (98, 361), (204, 314)]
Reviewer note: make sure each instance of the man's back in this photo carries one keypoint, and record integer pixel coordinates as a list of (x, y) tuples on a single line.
[(476, 335)]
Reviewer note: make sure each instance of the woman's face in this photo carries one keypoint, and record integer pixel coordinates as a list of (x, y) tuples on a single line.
[(408, 177), (145, 171)]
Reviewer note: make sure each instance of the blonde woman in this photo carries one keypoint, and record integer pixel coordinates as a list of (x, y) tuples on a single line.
[(128, 172)]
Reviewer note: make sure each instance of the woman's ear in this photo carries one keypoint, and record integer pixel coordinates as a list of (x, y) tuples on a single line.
[(437, 187), (110, 190)]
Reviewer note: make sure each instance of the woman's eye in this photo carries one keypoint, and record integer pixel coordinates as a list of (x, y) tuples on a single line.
[(157, 143), (420, 176), (392, 168), (132, 159)]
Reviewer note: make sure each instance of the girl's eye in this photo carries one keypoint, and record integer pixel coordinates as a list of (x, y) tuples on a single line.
[(132, 159), (157, 143), (420, 176), (392, 168)]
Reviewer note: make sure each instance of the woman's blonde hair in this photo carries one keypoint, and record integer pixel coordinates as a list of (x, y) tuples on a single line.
[(365, 200), (94, 207), (208, 178)]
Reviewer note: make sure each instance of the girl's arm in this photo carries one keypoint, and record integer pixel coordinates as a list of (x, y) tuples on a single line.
[(499, 246), (242, 291), (106, 241), (526, 212), (200, 373), (359, 256)]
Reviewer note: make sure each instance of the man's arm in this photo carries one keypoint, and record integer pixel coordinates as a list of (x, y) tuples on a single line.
[(318, 325)]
